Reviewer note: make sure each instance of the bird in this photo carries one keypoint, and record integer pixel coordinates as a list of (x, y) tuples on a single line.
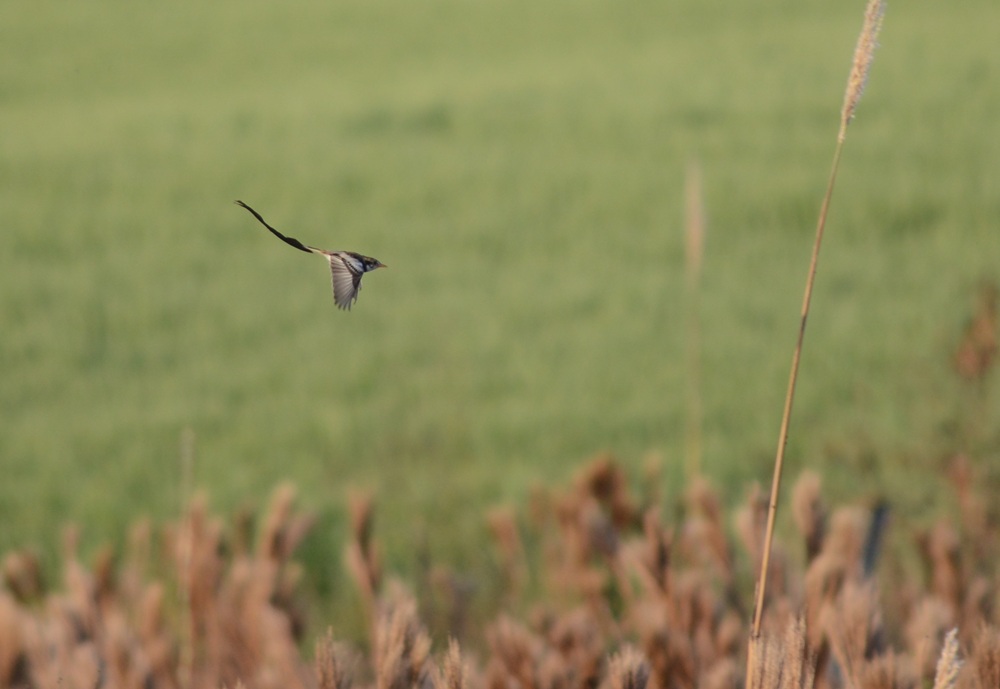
[(347, 267)]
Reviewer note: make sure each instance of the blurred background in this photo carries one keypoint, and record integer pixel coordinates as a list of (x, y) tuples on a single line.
[(520, 166)]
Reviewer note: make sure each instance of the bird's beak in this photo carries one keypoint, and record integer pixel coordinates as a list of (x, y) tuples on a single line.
[(382, 265)]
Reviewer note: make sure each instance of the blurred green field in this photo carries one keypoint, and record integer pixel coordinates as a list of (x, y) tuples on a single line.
[(519, 165)]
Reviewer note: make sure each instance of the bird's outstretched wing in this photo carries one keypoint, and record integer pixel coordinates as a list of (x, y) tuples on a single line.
[(346, 282), (287, 240)]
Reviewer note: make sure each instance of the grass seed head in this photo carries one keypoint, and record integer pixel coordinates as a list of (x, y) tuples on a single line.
[(950, 662), (983, 669), (628, 669), (864, 54)]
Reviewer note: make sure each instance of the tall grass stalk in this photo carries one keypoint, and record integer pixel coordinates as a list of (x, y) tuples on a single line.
[(694, 232), (863, 55), (186, 660)]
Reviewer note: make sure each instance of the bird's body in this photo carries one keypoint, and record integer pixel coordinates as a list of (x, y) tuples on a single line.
[(347, 267)]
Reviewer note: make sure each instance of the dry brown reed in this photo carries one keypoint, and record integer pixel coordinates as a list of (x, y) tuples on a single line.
[(694, 235), (627, 669), (401, 651), (109, 627), (784, 661), (925, 630), (624, 599), (333, 665), (507, 538), (455, 672), (853, 628), (361, 555), (950, 662), (977, 348), (861, 65), (982, 671)]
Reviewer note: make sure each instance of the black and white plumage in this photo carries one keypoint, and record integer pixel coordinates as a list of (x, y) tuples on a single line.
[(346, 267)]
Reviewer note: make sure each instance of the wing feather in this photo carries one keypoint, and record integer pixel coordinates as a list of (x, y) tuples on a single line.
[(346, 283)]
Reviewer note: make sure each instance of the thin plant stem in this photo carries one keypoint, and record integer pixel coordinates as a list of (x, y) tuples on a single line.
[(786, 416), (694, 230), (860, 66), (186, 659)]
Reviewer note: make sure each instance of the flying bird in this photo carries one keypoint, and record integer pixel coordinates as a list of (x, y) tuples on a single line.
[(347, 267)]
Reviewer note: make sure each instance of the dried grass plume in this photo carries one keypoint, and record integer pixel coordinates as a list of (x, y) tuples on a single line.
[(864, 53), (950, 662)]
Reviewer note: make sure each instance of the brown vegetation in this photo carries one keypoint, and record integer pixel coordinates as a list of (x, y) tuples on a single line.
[(614, 598)]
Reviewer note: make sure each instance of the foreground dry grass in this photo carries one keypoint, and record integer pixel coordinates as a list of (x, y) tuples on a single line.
[(619, 600)]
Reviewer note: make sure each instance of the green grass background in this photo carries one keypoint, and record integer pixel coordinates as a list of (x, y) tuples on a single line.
[(519, 165)]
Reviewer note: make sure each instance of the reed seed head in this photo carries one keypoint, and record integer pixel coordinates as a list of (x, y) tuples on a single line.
[(694, 223), (949, 663), (864, 53)]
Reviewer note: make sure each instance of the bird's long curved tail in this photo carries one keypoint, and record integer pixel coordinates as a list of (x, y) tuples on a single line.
[(287, 240)]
